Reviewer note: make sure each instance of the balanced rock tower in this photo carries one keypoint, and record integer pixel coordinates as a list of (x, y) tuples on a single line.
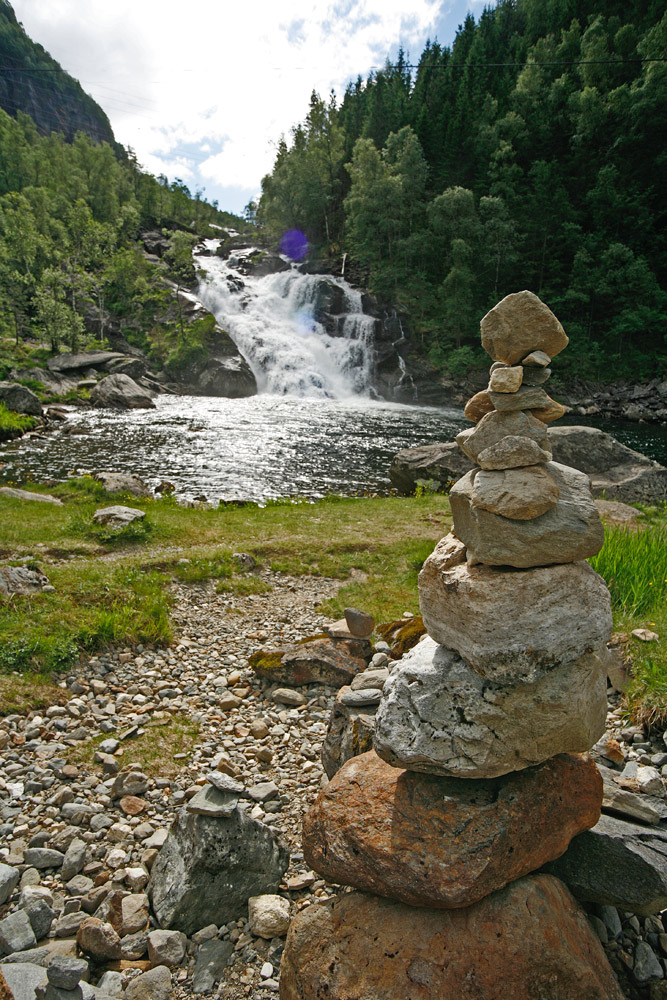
[(479, 774)]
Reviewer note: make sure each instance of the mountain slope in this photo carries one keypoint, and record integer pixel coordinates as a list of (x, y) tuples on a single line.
[(34, 83)]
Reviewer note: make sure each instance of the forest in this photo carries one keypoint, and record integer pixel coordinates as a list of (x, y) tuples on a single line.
[(529, 154), (70, 218)]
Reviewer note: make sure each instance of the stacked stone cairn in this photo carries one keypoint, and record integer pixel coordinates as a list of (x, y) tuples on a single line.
[(479, 774)]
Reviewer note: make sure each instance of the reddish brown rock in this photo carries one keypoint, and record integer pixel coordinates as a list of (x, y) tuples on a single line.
[(98, 939), (132, 805), (446, 842), (530, 941), (477, 406)]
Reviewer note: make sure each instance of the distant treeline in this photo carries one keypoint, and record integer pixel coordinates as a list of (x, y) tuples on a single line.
[(529, 155)]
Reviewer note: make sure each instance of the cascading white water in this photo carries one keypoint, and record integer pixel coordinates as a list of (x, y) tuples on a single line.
[(271, 320)]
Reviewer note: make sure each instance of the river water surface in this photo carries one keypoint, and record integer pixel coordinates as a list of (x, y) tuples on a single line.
[(257, 448)]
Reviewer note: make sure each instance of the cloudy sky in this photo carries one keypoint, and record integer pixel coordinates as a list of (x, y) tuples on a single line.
[(204, 91)]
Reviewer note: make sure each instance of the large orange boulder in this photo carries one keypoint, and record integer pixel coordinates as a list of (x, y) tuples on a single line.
[(530, 941), (446, 842)]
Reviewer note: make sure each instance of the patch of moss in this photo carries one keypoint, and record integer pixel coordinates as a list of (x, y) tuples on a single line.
[(266, 662)]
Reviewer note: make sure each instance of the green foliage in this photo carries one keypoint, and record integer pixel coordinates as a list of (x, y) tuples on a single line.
[(14, 424), (526, 156), (634, 565)]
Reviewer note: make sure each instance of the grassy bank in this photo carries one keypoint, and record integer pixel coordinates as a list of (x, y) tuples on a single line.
[(115, 588)]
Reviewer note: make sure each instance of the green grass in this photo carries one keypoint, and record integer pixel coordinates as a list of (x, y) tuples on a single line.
[(634, 565), (166, 734), (111, 588), (14, 424)]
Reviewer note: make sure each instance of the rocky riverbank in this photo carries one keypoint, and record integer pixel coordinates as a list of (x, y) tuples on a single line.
[(84, 810)]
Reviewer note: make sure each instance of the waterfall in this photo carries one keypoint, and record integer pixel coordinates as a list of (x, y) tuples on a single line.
[(276, 323)]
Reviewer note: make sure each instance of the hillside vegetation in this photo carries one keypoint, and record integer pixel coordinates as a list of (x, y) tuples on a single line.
[(528, 155)]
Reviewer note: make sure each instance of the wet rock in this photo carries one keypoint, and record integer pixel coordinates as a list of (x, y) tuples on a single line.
[(208, 869), (350, 733), (617, 863), (399, 833), (120, 392), (519, 325), (123, 482), (514, 625), (442, 464), (268, 916), (439, 716), (568, 532), (525, 941)]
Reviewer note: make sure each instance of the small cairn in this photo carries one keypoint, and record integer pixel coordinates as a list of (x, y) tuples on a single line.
[(479, 774)]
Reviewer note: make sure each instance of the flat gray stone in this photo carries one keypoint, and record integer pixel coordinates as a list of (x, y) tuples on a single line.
[(212, 802), (569, 532), (225, 783), (43, 857), (118, 516), (212, 959), (15, 494), (66, 972), (519, 494), (16, 933), (21, 580), (41, 917), (514, 624), (208, 868), (512, 452), (9, 879), (23, 979), (495, 426), (32, 956), (439, 716), (617, 863), (362, 696), (152, 985)]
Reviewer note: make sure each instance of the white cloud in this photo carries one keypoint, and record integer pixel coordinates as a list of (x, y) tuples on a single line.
[(207, 91)]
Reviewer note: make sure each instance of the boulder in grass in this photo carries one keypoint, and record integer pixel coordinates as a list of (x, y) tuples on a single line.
[(528, 940), (122, 393), (20, 399), (118, 516), (123, 482)]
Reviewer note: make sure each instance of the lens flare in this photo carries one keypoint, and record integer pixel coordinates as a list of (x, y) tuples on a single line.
[(294, 244)]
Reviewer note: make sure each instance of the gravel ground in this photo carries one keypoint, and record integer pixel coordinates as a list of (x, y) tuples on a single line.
[(51, 791)]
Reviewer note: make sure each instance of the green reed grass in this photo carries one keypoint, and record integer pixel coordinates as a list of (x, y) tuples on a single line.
[(634, 566)]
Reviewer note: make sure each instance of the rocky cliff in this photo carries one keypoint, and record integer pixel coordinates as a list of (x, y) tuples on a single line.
[(34, 83)]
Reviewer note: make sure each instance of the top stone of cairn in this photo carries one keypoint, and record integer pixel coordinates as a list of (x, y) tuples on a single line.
[(519, 325)]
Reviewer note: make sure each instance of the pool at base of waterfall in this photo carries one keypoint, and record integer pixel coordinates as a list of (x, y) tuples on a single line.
[(258, 448)]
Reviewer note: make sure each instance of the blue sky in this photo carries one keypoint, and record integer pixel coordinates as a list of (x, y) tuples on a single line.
[(206, 97)]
